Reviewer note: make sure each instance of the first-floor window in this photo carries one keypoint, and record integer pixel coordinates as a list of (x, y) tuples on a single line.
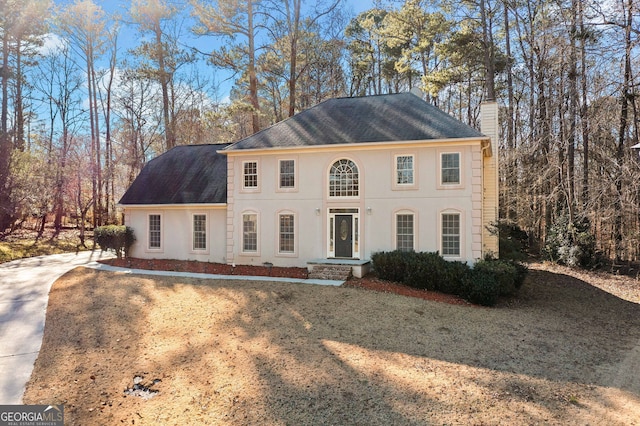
[(404, 232), (155, 237), (451, 234), (287, 233), (199, 232), (250, 232)]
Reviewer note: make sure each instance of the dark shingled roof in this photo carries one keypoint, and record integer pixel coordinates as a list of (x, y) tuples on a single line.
[(187, 174), (382, 118)]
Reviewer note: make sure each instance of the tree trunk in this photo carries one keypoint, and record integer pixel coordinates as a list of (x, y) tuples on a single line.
[(489, 60), (622, 132), (5, 141), (19, 140), (253, 79), (512, 178), (294, 24)]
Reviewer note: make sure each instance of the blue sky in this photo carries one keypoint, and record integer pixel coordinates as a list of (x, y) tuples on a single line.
[(129, 36)]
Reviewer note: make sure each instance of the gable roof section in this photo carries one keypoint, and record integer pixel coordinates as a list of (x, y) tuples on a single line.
[(381, 118), (187, 174)]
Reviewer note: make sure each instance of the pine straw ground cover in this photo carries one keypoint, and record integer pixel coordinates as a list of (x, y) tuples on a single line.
[(566, 351)]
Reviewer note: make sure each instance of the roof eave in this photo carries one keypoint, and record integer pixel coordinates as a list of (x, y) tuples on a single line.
[(363, 145), (172, 206)]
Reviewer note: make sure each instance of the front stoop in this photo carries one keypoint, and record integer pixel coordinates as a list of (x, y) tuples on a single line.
[(330, 272), (350, 267)]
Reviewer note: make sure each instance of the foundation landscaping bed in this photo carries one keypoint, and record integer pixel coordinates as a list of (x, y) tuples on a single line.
[(137, 349)]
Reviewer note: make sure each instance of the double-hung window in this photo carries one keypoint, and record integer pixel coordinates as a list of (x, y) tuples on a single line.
[(287, 178), (405, 229), (199, 232), (404, 170), (450, 168), (451, 234), (155, 232), (286, 243), (249, 232), (250, 175)]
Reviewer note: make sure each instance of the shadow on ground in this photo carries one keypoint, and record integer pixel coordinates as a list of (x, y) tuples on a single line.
[(242, 352)]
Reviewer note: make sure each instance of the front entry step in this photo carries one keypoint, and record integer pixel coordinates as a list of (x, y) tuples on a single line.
[(330, 272)]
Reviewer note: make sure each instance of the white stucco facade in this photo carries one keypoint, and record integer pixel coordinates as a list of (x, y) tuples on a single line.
[(374, 209), (176, 238), (288, 206)]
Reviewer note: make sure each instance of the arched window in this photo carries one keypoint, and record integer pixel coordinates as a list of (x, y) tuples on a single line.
[(343, 179)]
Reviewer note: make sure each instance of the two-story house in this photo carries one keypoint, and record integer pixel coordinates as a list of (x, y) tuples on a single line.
[(335, 183)]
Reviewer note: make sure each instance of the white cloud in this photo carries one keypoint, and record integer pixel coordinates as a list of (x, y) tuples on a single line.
[(51, 43)]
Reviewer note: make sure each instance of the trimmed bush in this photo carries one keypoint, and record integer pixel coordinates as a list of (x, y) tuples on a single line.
[(391, 265), (482, 288), (504, 273), (457, 274), (488, 280), (426, 271), (118, 238)]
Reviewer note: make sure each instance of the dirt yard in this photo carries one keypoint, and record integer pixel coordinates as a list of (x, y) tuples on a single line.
[(123, 349)]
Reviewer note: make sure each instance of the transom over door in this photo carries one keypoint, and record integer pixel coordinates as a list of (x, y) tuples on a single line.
[(343, 235)]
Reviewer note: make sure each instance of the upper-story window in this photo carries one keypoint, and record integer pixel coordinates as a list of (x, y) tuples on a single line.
[(250, 174), (450, 168), (404, 169), (344, 179), (287, 178)]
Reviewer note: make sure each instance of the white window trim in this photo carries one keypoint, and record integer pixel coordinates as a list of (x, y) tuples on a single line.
[(461, 176), (461, 255), (148, 247), (394, 233), (360, 181), (294, 188), (295, 234), (242, 250), (250, 189), (394, 166), (206, 231)]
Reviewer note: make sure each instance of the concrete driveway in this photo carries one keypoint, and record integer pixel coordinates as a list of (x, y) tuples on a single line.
[(24, 293)]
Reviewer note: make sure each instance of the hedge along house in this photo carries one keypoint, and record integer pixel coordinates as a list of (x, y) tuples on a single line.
[(333, 184)]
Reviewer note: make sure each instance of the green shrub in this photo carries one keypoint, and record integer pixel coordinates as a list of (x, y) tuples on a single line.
[(571, 243), (504, 272), (482, 288), (457, 274), (488, 280), (512, 240), (114, 237), (426, 270), (391, 265), (521, 273)]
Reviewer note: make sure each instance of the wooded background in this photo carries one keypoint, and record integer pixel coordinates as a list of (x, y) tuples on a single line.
[(89, 95)]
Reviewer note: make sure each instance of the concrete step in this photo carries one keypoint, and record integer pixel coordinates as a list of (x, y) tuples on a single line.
[(330, 272)]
